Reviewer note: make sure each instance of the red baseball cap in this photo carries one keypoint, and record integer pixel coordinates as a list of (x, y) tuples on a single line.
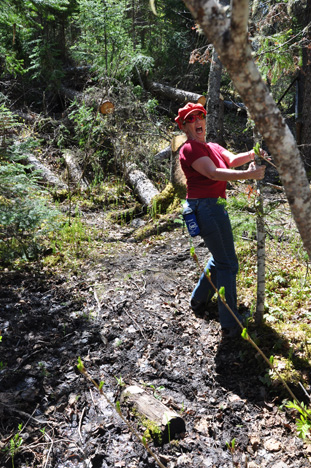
[(188, 109)]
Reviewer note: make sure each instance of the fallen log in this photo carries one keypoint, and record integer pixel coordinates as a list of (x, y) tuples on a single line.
[(162, 423), (163, 154), (177, 141), (174, 94), (143, 186), (74, 170), (46, 176)]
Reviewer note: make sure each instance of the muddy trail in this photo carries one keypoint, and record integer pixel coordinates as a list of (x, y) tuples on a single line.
[(127, 316)]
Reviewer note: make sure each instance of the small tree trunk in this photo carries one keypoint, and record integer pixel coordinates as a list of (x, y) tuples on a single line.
[(213, 101), (261, 247)]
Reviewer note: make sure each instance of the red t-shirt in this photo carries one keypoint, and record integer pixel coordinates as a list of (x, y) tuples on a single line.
[(199, 186)]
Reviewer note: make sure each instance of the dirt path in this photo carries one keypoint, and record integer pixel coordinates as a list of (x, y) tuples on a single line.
[(126, 315)]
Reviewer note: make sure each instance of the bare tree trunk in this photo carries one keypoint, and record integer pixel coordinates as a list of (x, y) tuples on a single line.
[(261, 245), (213, 100), (230, 39)]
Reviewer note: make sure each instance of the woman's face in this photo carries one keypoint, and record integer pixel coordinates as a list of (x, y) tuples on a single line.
[(195, 126)]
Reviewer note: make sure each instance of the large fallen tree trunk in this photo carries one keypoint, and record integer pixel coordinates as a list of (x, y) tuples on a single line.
[(174, 94), (46, 176), (143, 186), (162, 423)]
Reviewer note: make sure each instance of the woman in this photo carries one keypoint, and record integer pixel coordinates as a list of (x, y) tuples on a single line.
[(207, 168)]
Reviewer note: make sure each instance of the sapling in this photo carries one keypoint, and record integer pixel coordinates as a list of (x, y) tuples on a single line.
[(120, 381), (15, 443), (231, 448)]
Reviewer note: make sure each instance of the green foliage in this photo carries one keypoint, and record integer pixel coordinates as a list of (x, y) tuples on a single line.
[(231, 446), (80, 365), (38, 41), (303, 422), (120, 381), (88, 126), (44, 61), (14, 444), (25, 217), (105, 39), (222, 293)]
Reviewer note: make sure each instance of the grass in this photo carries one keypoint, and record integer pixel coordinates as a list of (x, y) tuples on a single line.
[(286, 332)]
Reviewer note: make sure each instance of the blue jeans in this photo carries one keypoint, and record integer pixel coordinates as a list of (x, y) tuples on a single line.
[(216, 231)]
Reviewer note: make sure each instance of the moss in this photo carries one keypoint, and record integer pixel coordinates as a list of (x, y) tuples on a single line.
[(152, 430), (168, 201), (124, 215), (162, 223)]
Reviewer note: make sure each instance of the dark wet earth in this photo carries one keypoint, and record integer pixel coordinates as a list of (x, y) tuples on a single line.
[(127, 316)]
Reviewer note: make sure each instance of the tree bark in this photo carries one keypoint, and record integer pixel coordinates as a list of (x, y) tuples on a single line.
[(174, 94), (74, 170), (213, 101), (261, 244), (94, 99), (229, 37), (163, 154), (305, 18), (143, 186)]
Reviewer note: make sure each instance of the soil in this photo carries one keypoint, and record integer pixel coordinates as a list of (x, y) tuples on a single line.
[(127, 316)]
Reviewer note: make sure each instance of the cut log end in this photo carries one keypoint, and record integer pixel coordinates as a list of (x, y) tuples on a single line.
[(106, 107), (202, 100)]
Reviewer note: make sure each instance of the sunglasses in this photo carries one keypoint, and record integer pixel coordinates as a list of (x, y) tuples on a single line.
[(192, 118)]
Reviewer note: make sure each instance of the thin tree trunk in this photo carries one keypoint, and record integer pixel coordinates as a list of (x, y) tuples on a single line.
[(213, 100), (261, 245)]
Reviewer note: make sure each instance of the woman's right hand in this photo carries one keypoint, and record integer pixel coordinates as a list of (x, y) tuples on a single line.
[(256, 172)]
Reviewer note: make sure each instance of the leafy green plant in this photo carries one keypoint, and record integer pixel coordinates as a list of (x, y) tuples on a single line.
[(120, 381), (303, 422), (25, 216), (155, 389), (231, 446), (15, 443)]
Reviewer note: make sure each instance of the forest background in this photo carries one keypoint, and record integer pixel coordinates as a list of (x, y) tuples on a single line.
[(61, 59)]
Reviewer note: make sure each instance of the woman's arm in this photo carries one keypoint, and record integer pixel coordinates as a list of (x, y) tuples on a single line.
[(206, 167), (236, 160)]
